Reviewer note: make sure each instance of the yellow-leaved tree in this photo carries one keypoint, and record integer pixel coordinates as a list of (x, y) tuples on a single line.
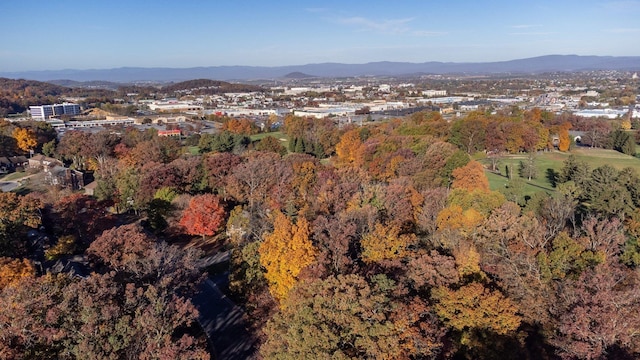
[(474, 307), (385, 243), (453, 217), (285, 252), (25, 138)]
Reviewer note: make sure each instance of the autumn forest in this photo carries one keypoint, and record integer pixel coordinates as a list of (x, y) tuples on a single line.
[(380, 241)]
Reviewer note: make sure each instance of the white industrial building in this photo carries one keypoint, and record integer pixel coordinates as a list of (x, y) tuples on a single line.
[(432, 93), (320, 113), (43, 112), (173, 106), (605, 113), (445, 100)]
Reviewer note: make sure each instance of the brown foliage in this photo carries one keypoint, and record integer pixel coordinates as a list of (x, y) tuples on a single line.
[(140, 258), (240, 126), (435, 200), (122, 247), (597, 311), (510, 245), (432, 270), (269, 143), (604, 236), (334, 238), (345, 317), (217, 168), (81, 216), (95, 318), (16, 214), (261, 178)]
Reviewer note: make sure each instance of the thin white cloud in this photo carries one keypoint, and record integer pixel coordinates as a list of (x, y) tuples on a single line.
[(624, 30), (316, 10), (389, 26), (623, 5), (426, 33), (533, 33), (524, 26)]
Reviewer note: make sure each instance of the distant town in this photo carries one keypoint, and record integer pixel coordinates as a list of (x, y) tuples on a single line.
[(597, 94)]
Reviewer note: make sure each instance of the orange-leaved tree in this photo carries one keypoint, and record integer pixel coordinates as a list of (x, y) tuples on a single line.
[(563, 134), (14, 270), (470, 177), (204, 216), (349, 147), (285, 252)]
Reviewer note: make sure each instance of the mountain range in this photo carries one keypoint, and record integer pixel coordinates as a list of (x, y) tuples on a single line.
[(535, 65)]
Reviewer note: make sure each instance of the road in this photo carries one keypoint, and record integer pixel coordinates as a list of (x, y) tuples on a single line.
[(7, 186), (10, 185), (223, 322)]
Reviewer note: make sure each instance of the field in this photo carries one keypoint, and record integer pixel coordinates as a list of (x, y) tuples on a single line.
[(14, 176), (554, 160), (193, 150)]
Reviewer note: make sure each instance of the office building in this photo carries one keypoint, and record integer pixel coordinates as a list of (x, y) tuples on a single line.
[(43, 112)]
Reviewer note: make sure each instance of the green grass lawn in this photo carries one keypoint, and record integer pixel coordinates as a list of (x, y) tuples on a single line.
[(554, 160), (14, 176), (497, 182), (276, 134), (193, 150)]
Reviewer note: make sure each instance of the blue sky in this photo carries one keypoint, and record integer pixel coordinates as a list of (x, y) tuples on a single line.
[(59, 34)]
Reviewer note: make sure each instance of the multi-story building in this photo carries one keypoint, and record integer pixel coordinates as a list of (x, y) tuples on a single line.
[(71, 109), (432, 93), (41, 112), (44, 112)]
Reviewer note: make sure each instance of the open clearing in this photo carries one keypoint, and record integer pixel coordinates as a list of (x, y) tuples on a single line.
[(554, 160)]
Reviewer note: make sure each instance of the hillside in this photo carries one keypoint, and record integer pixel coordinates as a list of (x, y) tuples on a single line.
[(548, 63), (87, 84), (207, 86), (17, 95)]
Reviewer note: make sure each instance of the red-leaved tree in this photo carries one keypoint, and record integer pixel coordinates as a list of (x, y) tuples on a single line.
[(204, 215)]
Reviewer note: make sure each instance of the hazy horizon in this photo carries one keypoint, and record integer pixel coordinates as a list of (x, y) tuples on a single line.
[(298, 65), (72, 34)]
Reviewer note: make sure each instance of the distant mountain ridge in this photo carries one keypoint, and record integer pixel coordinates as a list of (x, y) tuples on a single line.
[(298, 75), (548, 63)]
